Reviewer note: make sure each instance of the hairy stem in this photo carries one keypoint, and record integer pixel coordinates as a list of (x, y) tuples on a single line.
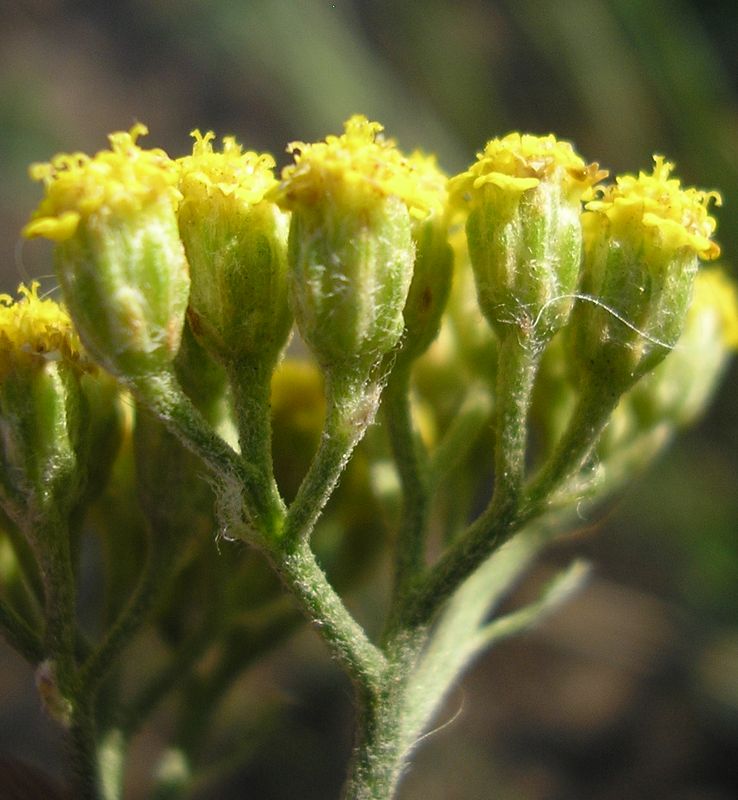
[(250, 383), (19, 635), (350, 410), (163, 395), (411, 462), (518, 362), (318, 600)]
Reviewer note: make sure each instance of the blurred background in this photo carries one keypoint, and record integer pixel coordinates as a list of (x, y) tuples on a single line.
[(632, 692)]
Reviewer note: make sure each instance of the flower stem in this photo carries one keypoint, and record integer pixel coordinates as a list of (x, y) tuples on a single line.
[(516, 371), (250, 382), (350, 410), (411, 462), (517, 366), (49, 535), (386, 734), (588, 420), (84, 756), (19, 635), (163, 395), (318, 600), (154, 579)]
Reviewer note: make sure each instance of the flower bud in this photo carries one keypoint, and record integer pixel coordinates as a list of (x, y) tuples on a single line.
[(678, 389), (43, 426), (643, 238), (351, 249), (119, 258), (431, 282), (523, 198), (236, 245)]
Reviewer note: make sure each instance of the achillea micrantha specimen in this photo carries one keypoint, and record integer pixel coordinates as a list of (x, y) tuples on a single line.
[(571, 351)]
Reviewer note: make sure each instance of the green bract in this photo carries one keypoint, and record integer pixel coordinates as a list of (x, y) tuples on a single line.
[(236, 244)]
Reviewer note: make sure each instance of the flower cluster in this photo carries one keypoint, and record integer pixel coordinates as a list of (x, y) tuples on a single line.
[(522, 312)]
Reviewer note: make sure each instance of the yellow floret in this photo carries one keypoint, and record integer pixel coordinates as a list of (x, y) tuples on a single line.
[(358, 167), (36, 326), (658, 204), (115, 182), (245, 178), (518, 162)]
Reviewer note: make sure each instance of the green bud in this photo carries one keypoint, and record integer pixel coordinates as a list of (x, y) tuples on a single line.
[(119, 258), (432, 271), (236, 244), (678, 389), (43, 423), (351, 247), (643, 239), (523, 197), (474, 342)]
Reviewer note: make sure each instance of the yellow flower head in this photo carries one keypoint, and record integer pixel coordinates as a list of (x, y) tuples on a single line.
[(656, 204), (115, 182), (716, 299), (358, 168), (36, 327), (518, 162), (241, 178)]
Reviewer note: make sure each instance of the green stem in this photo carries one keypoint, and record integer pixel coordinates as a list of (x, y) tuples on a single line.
[(152, 582), (351, 408), (146, 701), (385, 734), (50, 538), (517, 365), (476, 544), (516, 371), (49, 535), (588, 420), (411, 461), (318, 600), (461, 436), (84, 756), (250, 382), (163, 395), (238, 649), (27, 566)]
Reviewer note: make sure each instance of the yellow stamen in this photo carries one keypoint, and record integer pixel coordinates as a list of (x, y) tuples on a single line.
[(244, 177), (36, 326), (118, 181), (356, 168), (657, 204), (518, 162)]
